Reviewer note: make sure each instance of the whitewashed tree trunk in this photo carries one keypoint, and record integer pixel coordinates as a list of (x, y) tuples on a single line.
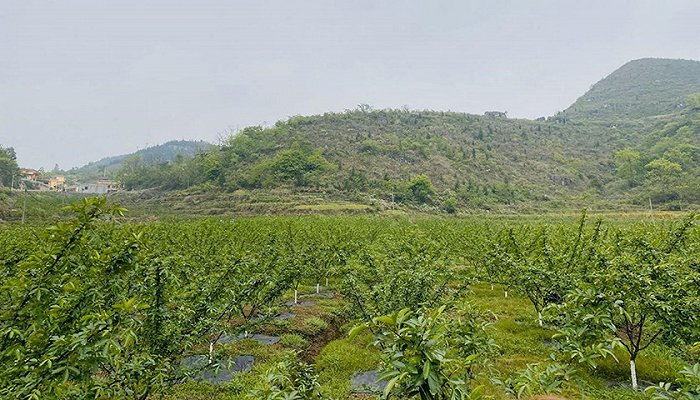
[(539, 317), (211, 352), (318, 288), (492, 286), (633, 372), (296, 296), (506, 294)]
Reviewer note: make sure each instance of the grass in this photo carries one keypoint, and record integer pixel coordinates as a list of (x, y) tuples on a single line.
[(515, 330), (293, 341), (655, 364), (523, 342), (312, 326), (343, 358), (332, 207)]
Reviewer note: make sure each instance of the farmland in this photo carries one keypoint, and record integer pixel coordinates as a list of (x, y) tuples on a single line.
[(100, 305)]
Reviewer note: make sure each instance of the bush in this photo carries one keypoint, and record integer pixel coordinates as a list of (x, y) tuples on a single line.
[(421, 189), (450, 205)]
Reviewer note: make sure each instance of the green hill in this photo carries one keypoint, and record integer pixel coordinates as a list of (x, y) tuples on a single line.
[(603, 150), (641, 88), (470, 161)]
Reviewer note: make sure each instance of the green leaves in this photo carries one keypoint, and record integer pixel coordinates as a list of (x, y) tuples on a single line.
[(75, 307), (537, 379), (637, 293), (419, 356)]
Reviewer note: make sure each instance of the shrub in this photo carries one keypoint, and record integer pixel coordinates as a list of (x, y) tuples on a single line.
[(450, 205)]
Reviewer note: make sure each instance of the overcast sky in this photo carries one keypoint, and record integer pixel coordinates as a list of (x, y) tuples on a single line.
[(80, 80)]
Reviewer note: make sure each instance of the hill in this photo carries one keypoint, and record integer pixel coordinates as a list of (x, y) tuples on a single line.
[(641, 88), (162, 153), (409, 157), (604, 150)]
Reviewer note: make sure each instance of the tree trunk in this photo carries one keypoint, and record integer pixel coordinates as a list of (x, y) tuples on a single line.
[(211, 352), (506, 293), (318, 288), (539, 317), (633, 373), (296, 296)]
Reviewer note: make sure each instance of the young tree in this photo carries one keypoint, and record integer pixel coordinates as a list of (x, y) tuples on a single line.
[(639, 293), (396, 272), (73, 316), (418, 359)]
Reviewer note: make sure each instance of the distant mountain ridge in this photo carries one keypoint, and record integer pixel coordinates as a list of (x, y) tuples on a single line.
[(646, 87), (162, 153)]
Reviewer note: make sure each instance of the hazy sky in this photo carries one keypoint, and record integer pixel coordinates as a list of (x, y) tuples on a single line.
[(80, 80)]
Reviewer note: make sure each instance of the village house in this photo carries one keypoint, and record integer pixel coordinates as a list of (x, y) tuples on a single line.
[(102, 186), (29, 174), (57, 183)]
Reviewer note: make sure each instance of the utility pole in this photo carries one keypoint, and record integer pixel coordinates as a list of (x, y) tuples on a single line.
[(24, 207)]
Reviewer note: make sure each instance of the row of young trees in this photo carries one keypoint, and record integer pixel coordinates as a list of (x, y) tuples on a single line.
[(98, 307), (95, 307), (605, 288)]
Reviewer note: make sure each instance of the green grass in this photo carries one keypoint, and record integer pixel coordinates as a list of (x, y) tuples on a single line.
[(312, 326), (655, 364), (523, 342), (343, 358), (332, 207), (293, 341)]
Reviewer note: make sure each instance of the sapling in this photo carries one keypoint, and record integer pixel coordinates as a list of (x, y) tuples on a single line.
[(417, 356), (644, 290)]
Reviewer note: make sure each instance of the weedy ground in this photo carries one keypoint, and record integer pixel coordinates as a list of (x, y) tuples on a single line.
[(318, 334)]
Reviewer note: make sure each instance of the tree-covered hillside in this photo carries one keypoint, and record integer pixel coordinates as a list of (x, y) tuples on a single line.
[(641, 88), (603, 148), (665, 166), (408, 156)]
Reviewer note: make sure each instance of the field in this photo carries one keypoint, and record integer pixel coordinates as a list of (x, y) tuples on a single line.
[(101, 305)]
